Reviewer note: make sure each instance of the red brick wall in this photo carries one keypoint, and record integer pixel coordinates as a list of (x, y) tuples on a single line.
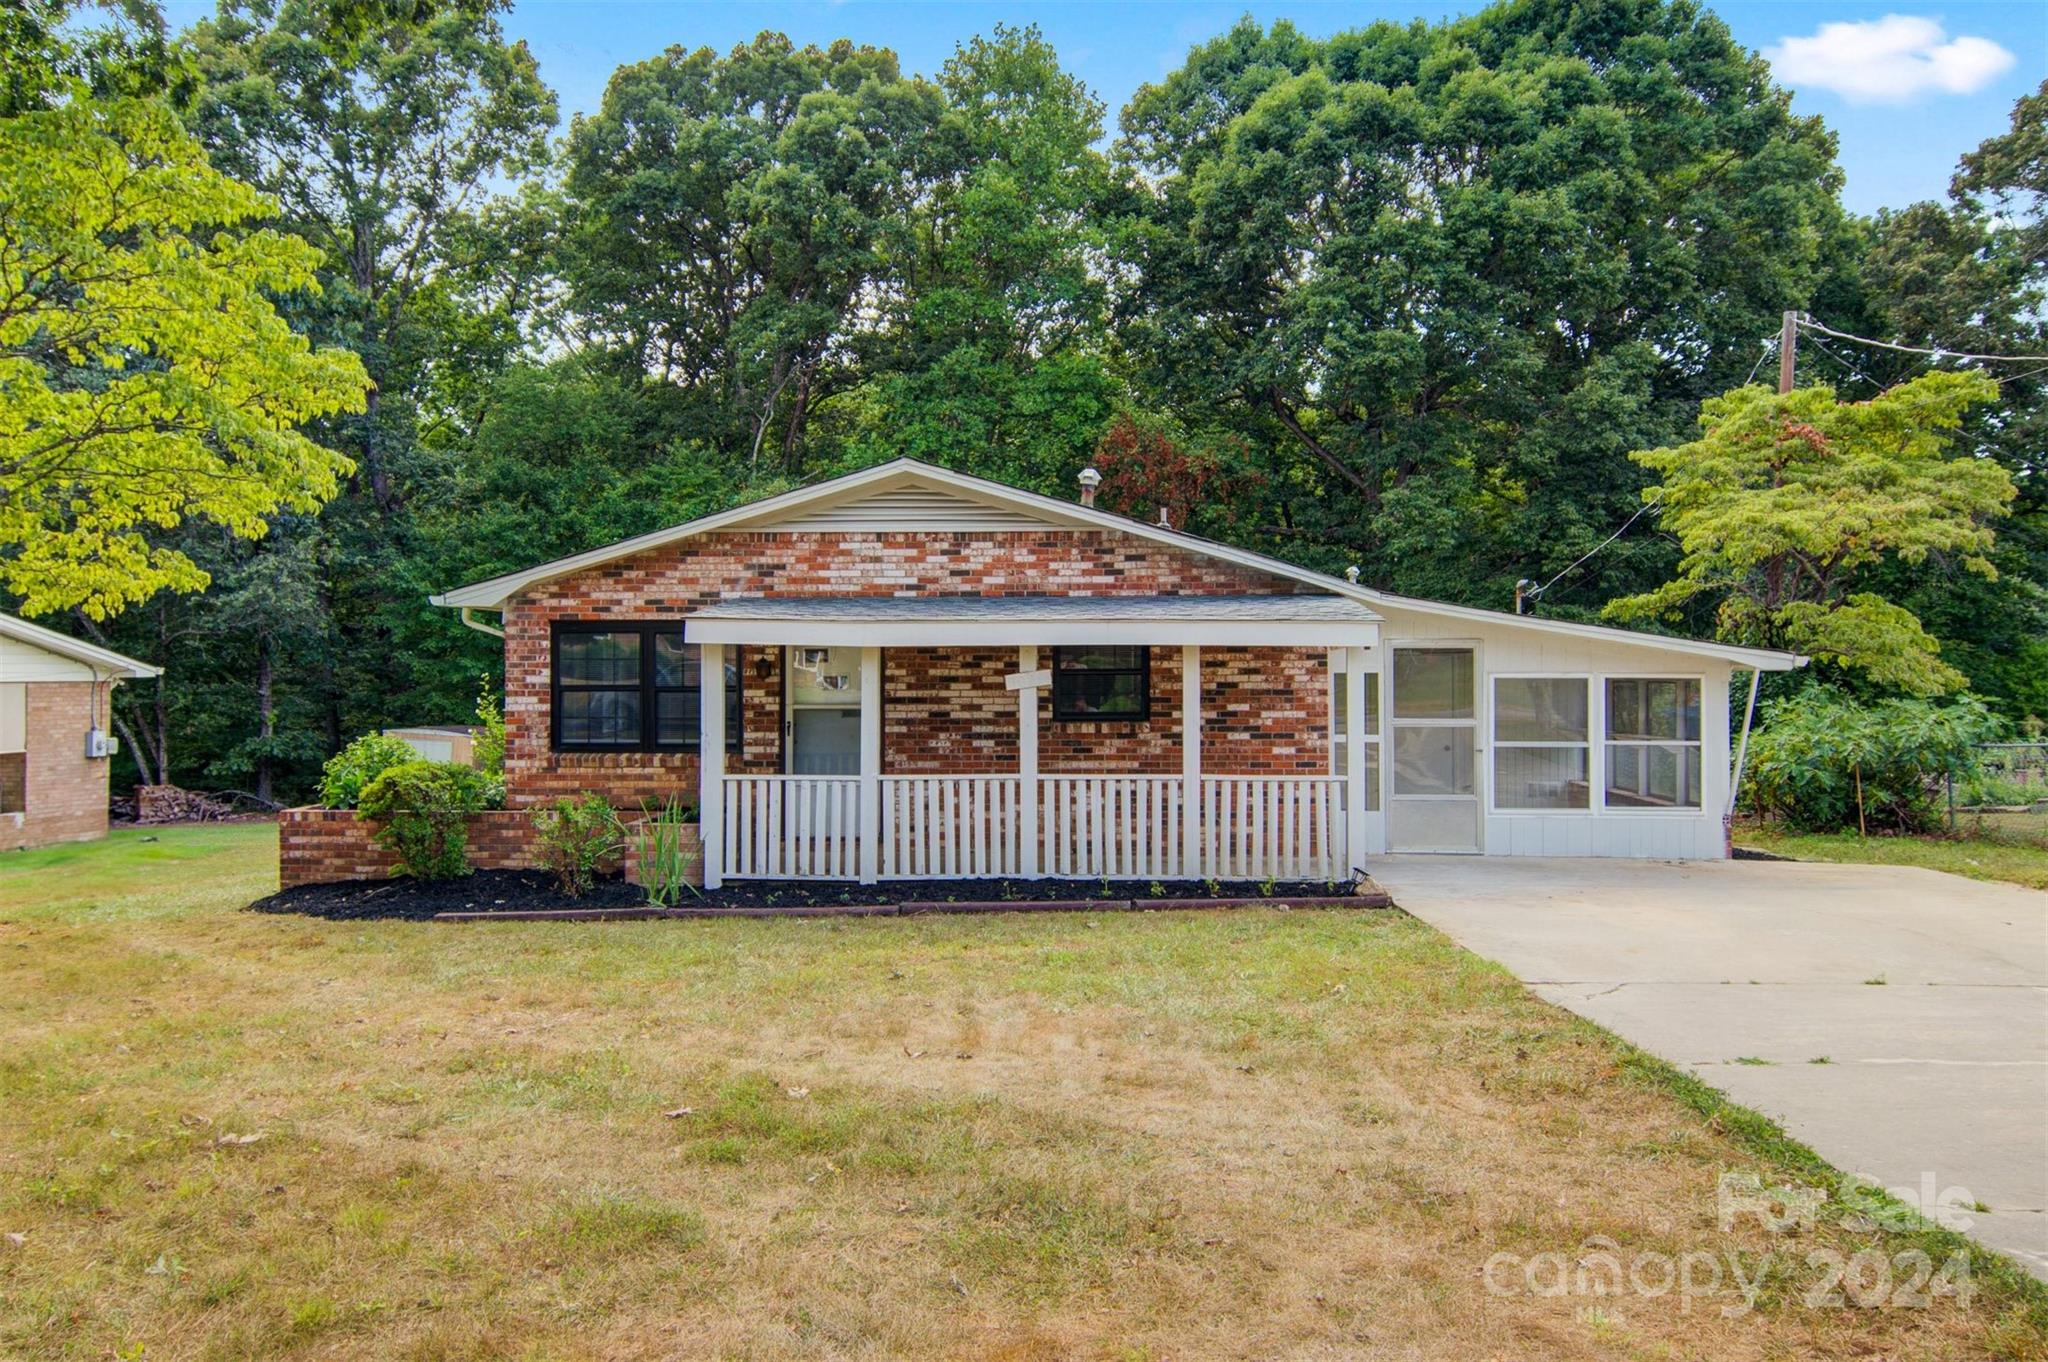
[(321, 846), (670, 582), (67, 792), (1265, 711)]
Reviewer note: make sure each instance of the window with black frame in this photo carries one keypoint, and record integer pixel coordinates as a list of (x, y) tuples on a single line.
[(633, 688), (1101, 683)]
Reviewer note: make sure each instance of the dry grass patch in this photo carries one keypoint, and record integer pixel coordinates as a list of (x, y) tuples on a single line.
[(1114, 1136)]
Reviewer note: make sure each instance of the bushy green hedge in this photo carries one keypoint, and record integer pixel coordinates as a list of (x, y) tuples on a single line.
[(355, 766), (422, 811), (1825, 761)]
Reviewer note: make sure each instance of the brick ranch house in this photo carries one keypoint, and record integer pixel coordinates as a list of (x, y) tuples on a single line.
[(931, 675), (56, 700)]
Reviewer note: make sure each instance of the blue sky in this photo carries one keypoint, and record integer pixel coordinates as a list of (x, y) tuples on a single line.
[(1907, 88)]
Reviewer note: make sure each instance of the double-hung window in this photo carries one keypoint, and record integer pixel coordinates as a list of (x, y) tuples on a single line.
[(1101, 683), (1653, 743), (1541, 742), (632, 688)]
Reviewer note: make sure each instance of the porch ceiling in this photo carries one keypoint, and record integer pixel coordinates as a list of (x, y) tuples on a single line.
[(932, 621)]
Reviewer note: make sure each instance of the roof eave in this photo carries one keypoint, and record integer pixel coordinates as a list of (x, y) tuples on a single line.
[(114, 664)]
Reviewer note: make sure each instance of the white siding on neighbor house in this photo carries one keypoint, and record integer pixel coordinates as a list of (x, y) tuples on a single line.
[(1507, 649), (906, 509), (13, 717), (21, 661)]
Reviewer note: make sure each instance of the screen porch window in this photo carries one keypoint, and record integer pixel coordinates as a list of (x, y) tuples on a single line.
[(1541, 742), (633, 688), (1653, 743), (1341, 728), (1101, 683)]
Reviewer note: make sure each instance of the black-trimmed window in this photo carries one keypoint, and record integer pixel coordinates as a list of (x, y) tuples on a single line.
[(632, 687), (1098, 683)]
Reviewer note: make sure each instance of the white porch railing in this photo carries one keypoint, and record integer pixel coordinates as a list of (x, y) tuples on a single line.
[(792, 827), (1278, 827), (951, 827), (1110, 827), (1088, 827)]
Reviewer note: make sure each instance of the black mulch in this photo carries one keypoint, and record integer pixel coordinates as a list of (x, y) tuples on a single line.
[(525, 890)]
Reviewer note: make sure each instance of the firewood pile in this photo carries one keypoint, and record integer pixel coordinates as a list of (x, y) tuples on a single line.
[(170, 804)]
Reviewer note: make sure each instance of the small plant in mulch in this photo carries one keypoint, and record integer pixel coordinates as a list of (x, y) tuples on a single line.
[(664, 858), (421, 811), (572, 836)]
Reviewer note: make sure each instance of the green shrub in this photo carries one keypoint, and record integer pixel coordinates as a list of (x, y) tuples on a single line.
[(573, 836), (355, 766), (665, 861), (489, 744), (422, 814), (1824, 761)]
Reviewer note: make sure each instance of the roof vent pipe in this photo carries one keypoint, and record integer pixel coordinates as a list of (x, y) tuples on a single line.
[(1351, 574), (1165, 521), (1090, 480)]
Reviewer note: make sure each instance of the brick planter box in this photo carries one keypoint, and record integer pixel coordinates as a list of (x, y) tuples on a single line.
[(321, 846)]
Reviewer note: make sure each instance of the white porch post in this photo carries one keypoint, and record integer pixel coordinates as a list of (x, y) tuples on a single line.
[(711, 761), (1027, 765), (1354, 758), (1191, 762), (870, 764)]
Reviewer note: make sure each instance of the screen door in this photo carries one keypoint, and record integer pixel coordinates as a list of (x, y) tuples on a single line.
[(1434, 802)]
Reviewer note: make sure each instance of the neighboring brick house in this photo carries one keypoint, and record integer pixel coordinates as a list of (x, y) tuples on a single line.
[(932, 675), (56, 695)]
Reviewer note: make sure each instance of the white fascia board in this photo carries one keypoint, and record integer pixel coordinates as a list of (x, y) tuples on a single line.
[(1014, 632), (104, 661), (1760, 659)]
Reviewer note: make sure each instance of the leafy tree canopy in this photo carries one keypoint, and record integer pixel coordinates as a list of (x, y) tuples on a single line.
[(145, 376), (1785, 499)]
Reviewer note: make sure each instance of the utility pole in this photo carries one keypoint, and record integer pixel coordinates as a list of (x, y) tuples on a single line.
[(1788, 341)]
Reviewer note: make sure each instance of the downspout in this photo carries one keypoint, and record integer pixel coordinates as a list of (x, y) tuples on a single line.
[(469, 619), (1741, 756)]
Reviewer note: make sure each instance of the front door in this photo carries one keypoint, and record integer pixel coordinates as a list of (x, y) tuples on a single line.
[(1434, 803), (823, 720)]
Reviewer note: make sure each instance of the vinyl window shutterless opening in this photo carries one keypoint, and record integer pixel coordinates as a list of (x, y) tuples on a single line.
[(1094, 683), (632, 688), (1653, 743), (1541, 742)]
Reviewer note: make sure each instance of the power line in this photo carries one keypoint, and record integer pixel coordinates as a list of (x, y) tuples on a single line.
[(1808, 322), (1765, 354), (1531, 593)]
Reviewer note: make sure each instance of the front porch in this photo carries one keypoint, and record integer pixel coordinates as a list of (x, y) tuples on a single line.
[(843, 813)]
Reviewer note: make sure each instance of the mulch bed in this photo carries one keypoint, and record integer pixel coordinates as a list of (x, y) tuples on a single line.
[(522, 892)]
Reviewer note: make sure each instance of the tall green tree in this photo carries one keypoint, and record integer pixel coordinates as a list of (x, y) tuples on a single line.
[(1446, 276), (728, 223), (995, 361), (1785, 500), (146, 379)]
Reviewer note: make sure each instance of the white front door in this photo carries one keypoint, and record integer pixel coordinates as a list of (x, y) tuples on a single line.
[(822, 725), (1434, 802)]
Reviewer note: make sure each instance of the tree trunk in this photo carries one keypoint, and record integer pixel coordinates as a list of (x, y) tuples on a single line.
[(266, 719)]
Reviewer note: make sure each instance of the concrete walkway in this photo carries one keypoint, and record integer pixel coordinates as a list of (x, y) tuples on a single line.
[(1926, 993)]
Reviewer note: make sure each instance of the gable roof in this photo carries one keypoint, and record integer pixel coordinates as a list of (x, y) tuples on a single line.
[(103, 660), (978, 503)]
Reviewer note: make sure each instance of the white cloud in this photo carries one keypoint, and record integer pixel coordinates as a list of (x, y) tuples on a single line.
[(1892, 60)]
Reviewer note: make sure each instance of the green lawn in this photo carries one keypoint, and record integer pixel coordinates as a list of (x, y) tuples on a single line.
[(1121, 1136), (1997, 856)]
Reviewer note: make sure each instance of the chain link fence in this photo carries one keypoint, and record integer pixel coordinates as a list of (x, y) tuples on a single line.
[(2007, 799)]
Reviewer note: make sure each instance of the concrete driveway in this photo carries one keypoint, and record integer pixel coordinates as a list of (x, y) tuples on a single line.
[(1926, 993)]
